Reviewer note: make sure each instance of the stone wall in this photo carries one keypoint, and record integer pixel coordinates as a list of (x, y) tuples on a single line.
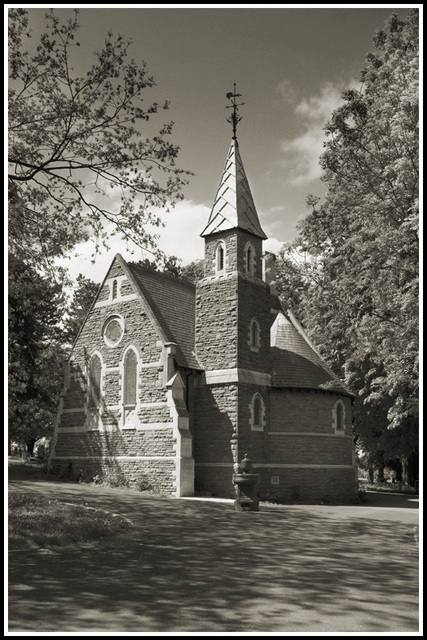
[(306, 411), (214, 433), (157, 476), (216, 323), (214, 480), (235, 243), (225, 307), (123, 442), (211, 244), (308, 485), (254, 303), (308, 449), (141, 454), (215, 423), (252, 442), (298, 455), (308, 461)]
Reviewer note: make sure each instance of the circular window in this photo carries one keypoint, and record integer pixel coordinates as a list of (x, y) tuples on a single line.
[(113, 331)]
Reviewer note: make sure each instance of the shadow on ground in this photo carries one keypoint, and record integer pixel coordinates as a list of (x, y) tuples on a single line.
[(194, 566)]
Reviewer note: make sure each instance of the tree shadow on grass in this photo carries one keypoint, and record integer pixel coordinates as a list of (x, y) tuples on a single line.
[(201, 567)]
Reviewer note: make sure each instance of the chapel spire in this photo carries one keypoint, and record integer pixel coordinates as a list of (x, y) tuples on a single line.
[(233, 207)]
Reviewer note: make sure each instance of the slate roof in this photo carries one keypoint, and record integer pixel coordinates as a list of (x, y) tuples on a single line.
[(294, 361), (173, 304), (234, 206)]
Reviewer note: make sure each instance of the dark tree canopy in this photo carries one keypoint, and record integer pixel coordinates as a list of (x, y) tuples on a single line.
[(36, 355), (81, 301), (357, 290), (76, 140), (173, 266)]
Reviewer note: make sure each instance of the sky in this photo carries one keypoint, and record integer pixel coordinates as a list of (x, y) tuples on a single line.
[(289, 62)]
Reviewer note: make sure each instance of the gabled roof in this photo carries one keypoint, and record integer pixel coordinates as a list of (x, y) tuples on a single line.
[(294, 361), (172, 303), (234, 206)]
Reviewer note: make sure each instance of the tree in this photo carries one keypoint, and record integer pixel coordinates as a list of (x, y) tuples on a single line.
[(36, 306), (172, 266), (357, 291), (83, 296), (76, 140), (193, 271)]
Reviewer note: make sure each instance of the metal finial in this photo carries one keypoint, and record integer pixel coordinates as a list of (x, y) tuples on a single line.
[(234, 118)]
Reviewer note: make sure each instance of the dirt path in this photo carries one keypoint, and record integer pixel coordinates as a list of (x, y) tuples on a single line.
[(198, 566)]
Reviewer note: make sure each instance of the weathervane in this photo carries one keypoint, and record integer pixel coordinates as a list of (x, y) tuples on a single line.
[(234, 118)]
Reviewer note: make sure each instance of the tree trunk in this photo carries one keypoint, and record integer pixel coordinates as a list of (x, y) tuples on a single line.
[(413, 469), (381, 472), (30, 446), (371, 475), (405, 470)]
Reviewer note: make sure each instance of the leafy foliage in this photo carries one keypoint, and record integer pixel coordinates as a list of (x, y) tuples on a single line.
[(172, 266), (36, 306), (77, 143), (193, 271), (83, 296), (357, 288), (84, 162)]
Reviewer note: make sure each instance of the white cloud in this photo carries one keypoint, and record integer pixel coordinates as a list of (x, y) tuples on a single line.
[(180, 237), (301, 154), (318, 108), (302, 157), (286, 91), (273, 245)]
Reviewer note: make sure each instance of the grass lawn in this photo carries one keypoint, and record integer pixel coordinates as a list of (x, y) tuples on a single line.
[(36, 522)]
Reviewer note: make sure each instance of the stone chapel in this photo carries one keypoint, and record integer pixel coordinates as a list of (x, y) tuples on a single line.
[(170, 384)]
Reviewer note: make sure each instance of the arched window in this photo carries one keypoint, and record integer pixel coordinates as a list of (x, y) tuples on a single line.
[(94, 393), (257, 412), (94, 387), (338, 417), (220, 257), (130, 389), (254, 335), (130, 379), (250, 258), (114, 292)]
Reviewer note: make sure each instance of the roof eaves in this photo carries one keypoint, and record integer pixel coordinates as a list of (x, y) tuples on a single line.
[(92, 305), (147, 308)]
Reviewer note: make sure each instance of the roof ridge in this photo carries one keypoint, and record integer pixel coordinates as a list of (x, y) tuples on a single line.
[(162, 274)]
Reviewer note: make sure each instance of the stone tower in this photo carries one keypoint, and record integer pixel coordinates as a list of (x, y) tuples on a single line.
[(233, 321)]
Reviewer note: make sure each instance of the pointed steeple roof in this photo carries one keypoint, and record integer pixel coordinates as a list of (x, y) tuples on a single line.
[(234, 206)]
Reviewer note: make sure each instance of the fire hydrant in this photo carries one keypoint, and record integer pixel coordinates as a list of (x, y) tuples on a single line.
[(245, 486)]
